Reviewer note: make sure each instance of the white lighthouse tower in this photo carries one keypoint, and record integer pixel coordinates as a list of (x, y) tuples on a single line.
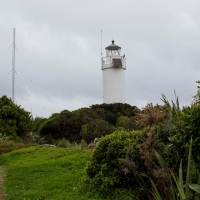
[(113, 67)]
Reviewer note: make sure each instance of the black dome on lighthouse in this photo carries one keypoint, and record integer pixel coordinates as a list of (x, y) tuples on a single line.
[(113, 46)]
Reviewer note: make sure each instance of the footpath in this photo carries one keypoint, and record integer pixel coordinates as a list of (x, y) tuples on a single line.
[(2, 176)]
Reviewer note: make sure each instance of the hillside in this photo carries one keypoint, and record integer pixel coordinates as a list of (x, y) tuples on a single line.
[(47, 173)]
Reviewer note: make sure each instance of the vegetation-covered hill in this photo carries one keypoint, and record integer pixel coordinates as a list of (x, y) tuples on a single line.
[(129, 157)]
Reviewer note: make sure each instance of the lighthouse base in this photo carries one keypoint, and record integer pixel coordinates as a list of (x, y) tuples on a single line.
[(114, 85)]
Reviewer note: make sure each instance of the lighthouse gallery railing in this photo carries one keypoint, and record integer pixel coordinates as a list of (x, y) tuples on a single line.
[(107, 62)]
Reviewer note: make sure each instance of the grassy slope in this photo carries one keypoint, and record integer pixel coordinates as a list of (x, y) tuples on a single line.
[(47, 173)]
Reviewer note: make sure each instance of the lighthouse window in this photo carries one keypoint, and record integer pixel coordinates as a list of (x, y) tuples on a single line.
[(117, 62)]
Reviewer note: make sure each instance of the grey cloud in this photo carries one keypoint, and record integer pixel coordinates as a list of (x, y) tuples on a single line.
[(59, 44)]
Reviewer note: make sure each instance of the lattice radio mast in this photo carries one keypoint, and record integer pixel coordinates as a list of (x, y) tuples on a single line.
[(13, 67)]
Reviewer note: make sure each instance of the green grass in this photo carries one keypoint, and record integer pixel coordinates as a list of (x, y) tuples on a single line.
[(49, 173)]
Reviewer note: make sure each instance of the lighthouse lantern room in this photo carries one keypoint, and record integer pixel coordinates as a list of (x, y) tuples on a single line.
[(113, 67)]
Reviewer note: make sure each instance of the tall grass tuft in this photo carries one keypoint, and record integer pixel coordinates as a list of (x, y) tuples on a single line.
[(82, 144), (64, 143)]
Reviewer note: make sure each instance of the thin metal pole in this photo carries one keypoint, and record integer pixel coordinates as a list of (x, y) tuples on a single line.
[(101, 45), (13, 68), (101, 52)]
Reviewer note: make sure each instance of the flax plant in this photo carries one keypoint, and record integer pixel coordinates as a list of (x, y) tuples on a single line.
[(179, 190), (173, 109)]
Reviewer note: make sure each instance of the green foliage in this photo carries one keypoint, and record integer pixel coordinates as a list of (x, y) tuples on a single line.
[(111, 112), (95, 129), (37, 122), (63, 143), (148, 165), (105, 171), (187, 126), (86, 115), (173, 109), (82, 144), (33, 137), (179, 190), (8, 146), (4, 137), (126, 123), (186, 123), (197, 95), (85, 123), (163, 132), (63, 125), (14, 120)]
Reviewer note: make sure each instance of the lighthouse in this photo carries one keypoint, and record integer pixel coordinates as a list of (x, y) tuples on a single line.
[(113, 67)]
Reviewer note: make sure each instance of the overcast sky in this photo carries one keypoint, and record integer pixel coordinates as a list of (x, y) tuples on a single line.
[(59, 44)]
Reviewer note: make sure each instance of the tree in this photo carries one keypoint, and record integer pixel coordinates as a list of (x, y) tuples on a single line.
[(14, 120)]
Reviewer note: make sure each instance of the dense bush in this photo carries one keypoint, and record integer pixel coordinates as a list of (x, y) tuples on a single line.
[(37, 123), (64, 125), (111, 112), (95, 129), (185, 123), (126, 123), (105, 170), (85, 115), (33, 137), (86, 123), (151, 115), (63, 143), (187, 126)]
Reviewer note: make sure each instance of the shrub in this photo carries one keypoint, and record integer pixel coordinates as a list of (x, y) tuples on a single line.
[(173, 108), (126, 123), (111, 112), (185, 122), (8, 146), (95, 129), (146, 148), (63, 125), (82, 144), (37, 123), (63, 143), (162, 133), (4, 137), (105, 170), (186, 127), (33, 137), (150, 115), (177, 189)]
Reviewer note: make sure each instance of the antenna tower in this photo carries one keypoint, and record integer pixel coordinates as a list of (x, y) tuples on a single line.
[(13, 67)]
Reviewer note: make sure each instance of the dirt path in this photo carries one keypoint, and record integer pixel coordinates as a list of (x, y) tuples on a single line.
[(2, 176)]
